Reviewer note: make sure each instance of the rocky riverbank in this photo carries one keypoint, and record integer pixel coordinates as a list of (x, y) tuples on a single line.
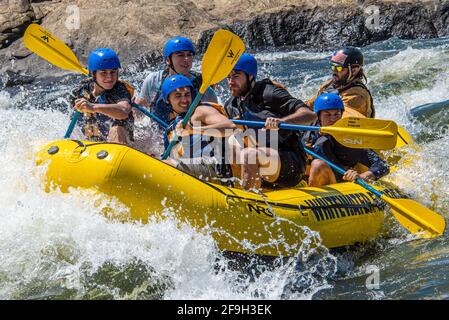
[(137, 29), (333, 26)]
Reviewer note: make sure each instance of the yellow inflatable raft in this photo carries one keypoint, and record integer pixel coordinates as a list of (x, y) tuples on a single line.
[(273, 224)]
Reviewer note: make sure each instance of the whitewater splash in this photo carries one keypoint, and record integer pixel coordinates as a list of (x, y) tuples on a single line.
[(55, 245), (63, 246)]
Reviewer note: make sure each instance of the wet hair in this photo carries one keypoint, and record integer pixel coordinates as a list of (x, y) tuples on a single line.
[(361, 75)]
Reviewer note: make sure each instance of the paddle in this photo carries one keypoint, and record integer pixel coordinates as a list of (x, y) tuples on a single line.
[(411, 215), (351, 132), (221, 55), (403, 137), (40, 41), (151, 115), (429, 109), (49, 47)]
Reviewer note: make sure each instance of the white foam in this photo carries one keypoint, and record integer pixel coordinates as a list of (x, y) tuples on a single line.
[(291, 55), (5, 100)]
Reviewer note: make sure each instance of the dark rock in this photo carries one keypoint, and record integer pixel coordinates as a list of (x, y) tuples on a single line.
[(331, 27), (12, 78), (15, 16), (442, 21), (18, 51)]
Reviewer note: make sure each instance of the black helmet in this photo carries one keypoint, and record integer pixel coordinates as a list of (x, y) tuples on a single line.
[(347, 56)]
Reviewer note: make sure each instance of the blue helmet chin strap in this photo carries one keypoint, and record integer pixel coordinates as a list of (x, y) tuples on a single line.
[(96, 82), (171, 65)]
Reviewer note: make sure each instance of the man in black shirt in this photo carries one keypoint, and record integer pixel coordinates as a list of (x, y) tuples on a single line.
[(279, 163)]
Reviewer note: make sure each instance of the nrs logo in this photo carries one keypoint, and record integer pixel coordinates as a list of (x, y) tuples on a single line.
[(353, 141), (261, 211)]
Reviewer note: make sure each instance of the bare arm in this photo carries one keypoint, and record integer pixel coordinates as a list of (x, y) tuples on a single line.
[(352, 175), (209, 118), (119, 111), (142, 102), (301, 116)]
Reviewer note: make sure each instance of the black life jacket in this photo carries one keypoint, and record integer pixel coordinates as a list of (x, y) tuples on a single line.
[(254, 108)]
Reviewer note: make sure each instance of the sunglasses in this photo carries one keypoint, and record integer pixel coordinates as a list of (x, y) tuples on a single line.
[(337, 68)]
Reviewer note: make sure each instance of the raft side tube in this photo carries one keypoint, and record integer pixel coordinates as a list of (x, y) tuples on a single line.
[(271, 224)]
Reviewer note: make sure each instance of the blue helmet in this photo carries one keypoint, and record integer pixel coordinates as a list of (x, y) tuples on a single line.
[(103, 59), (248, 64), (177, 44), (174, 82), (328, 101)]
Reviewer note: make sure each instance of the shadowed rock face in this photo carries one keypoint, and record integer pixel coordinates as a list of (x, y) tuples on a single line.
[(11, 79), (137, 29), (336, 26), (15, 16)]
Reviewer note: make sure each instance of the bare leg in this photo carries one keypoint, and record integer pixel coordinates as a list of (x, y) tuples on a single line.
[(258, 163), (171, 162), (320, 174), (118, 134), (250, 169), (269, 164)]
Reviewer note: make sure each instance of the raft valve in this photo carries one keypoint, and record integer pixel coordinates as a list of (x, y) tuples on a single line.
[(102, 154), (53, 150)]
